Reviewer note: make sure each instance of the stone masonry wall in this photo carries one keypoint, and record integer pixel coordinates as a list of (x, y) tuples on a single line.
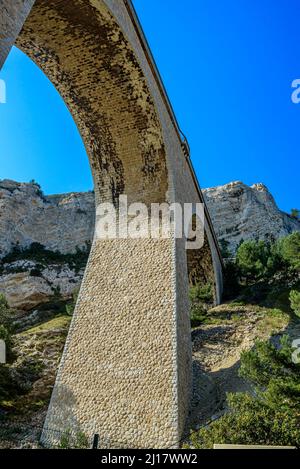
[(13, 15), (117, 375)]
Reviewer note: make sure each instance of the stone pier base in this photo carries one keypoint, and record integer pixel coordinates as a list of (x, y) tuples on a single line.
[(118, 377)]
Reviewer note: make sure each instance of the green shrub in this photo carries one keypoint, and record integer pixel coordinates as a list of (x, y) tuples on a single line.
[(198, 315), (38, 253), (295, 213), (250, 422), (290, 249), (252, 259), (201, 298), (271, 415), (6, 383), (266, 362), (71, 307), (295, 302), (36, 273), (74, 441), (5, 313), (201, 293)]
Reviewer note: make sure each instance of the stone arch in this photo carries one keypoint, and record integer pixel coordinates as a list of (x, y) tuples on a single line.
[(126, 368), (85, 54)]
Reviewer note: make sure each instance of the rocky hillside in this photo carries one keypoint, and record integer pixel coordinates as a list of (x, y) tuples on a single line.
[(65, 223), (59, 228), (58, 222), (240, 212)]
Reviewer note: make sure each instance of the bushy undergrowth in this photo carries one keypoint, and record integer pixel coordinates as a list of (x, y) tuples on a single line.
[(69, 440), (268, 275), (14, 380), (201, 299), (269, 416), (295, 302), (265, 272)]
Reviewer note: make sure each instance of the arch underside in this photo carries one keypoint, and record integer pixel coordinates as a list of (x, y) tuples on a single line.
[(200, 266), (84, 53), (126, 367)]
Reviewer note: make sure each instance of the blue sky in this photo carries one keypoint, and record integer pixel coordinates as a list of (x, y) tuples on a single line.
[(228, 66)]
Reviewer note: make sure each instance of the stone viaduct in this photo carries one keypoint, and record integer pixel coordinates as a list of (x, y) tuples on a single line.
[(126, 372)]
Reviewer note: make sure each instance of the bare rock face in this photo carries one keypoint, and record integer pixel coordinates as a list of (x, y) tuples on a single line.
[(32, 287), (59, 222), (240, 212), (23, 291)]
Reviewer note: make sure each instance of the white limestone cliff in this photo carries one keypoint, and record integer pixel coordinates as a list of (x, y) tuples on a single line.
[(240, 212), (59, 222)]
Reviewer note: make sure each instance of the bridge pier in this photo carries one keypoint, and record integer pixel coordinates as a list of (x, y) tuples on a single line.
[(119, 372)]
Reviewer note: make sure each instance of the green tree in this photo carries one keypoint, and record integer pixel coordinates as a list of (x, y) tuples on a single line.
[(252, 259), (295, 213), (290, 250), (275, 262), (225, 251), (231, 280), (34, 183), (267, 362), (295, 302)]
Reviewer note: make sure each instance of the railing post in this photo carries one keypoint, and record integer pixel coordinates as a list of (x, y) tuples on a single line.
[(95, 441)]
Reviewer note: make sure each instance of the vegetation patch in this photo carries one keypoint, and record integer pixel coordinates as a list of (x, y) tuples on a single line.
[(262, 287), (38, 253), (60, 322), (270, 416)]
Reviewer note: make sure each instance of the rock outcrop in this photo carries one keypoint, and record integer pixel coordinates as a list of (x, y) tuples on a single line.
[(61, 223), (240, 212), (58, 222), (31, 285)]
